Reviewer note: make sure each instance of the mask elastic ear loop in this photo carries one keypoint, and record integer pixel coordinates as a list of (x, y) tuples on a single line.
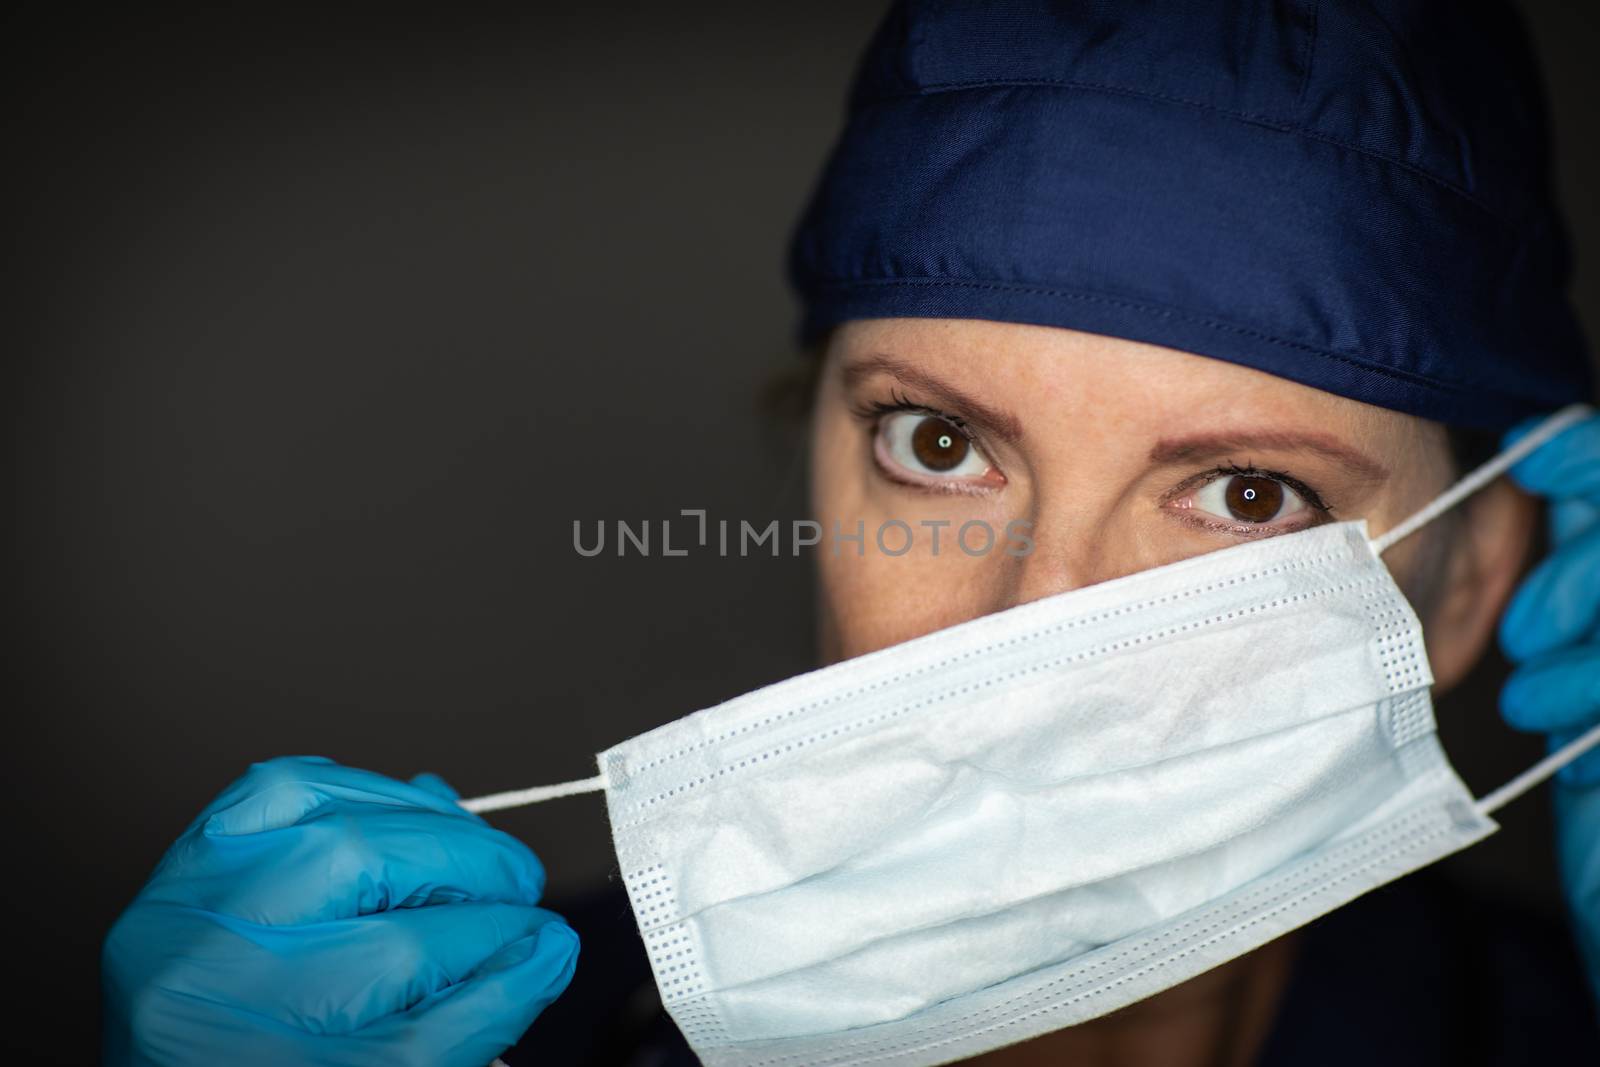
[(516, 798), (1483, 475), (1491, 470), (1536, 774), (1468, 485)]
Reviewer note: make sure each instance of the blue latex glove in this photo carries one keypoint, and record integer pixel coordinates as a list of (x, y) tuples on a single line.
[(318, 914), (1552, 632)]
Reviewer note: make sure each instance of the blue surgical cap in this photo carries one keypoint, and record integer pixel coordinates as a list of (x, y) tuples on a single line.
[(1352, 195)]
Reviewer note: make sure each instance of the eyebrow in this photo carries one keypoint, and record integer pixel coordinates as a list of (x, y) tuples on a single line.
[(1179, 449), (1167, 450), (1001, 424)]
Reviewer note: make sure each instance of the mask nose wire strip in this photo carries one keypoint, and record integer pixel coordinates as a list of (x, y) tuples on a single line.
[(1539, 771), (1482, 476), (516, 798)]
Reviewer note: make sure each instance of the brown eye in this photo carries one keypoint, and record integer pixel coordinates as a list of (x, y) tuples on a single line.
[(938, 445), (1252, 499), (1253, 503), (927, 450)]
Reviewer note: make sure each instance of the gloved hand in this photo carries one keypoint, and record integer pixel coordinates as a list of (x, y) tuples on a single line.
[(1552, 632), (319, 914)]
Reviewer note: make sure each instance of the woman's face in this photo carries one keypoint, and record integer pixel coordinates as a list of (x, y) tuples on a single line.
[(1101, 457)]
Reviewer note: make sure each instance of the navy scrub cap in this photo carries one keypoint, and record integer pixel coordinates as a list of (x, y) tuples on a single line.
[(1354, 195)]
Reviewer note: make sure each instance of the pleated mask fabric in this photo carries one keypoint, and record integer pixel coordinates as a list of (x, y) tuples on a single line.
[(1015, 826), (1037, 817)]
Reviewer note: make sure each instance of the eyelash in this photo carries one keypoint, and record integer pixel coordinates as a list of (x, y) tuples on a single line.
[(874, 410), (1196, 481)]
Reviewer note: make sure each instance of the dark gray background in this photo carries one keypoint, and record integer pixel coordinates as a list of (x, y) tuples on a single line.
[(327, 327)]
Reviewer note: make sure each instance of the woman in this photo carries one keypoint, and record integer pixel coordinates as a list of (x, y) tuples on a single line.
[(1131, 287)]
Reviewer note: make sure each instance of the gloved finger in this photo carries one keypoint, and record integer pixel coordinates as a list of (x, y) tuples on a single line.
[(469, 1024), (1557, 604), (250, 782), (1568, 465), (1570, 519), (436, 785), (147, 1025), (349, 860), (212, 1005), (1582, 773), (1556, 691), (336, 977), (282, 792)]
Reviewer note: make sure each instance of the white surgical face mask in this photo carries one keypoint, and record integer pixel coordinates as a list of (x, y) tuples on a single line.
[(1040, 816)]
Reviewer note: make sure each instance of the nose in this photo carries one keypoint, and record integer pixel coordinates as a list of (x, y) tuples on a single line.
[(1049, 569), (1075, 543)]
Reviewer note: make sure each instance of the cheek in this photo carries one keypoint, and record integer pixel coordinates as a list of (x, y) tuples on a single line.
[(872, 601)]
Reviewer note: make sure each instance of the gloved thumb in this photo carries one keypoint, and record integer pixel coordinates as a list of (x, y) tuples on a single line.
[(435, 785)]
